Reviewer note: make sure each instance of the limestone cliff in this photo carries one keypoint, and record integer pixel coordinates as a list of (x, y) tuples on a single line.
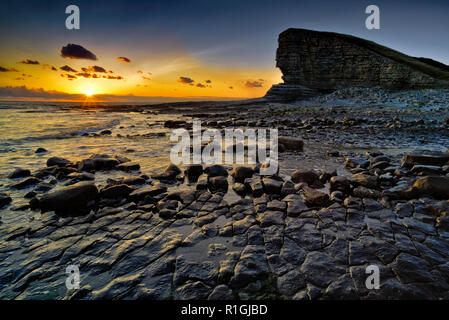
[(315, 62)]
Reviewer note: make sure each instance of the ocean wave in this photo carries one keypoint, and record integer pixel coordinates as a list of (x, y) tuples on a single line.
[(64, 134)]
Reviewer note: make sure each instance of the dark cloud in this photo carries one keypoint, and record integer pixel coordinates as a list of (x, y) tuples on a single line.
[(67, 68), (75, 51), (2, 69), (49, 67), (124, 59), (139, 71), (185, 80), (114, 77), (84, 74), (69, 76), (96, 76), (95, 69), (29, 61), (200, 85), (254, 84), (146, 78), (19, 78), (25, 92), (231, 87), (208, 81)]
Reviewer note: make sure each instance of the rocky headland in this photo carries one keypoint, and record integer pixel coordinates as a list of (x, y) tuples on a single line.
[(314, 62)]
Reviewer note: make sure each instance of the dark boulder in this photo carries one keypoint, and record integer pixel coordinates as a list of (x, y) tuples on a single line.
[(291, 143), (69, 199), (272, 185), (128, 166), (215, 171), (57, 161), (193, 171), (433, 185), (19, 173), (4, 199), (218, 184), (30, 181), (40, 150), (339, 183), (98, 162), (117, 191), (241, 173), (314, 197), (307, 176)]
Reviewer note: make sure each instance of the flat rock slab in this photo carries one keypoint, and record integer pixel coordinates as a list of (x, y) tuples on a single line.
[(197, 246)]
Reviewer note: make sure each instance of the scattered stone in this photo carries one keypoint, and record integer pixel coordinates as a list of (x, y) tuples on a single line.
[(356, 163), (361, 179), (19, 173), (272, 185), (99, 162), (193, 171), (69, 198), (434, 186), (291, 143), (288, 187), (338, 183), (40, 150), (362, 192), (56, 161), (128, 166), (215, 171), (218, 184), (131, 181), (4, 199), (241, 173), (426, 170), (276, 205), (255, 186), (30, 181), (117, 191), (433, 160), (315, 197), (239, 188), (307, 176)]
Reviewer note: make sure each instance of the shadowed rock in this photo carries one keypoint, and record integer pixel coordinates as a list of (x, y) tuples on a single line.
[(314, 62), (66, 199)]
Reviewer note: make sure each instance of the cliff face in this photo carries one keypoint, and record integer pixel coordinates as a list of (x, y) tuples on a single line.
[(312, 62)]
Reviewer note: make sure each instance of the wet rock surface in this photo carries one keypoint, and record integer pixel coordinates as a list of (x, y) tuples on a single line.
[(147, 240), (347, 201)]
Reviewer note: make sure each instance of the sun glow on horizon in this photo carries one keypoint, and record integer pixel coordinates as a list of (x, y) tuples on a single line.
[(89, 92)]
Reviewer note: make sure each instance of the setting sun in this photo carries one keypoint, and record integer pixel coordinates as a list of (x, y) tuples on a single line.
[(89, 92)]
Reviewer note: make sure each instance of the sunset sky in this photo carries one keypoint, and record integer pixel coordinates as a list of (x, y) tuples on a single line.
[(198, 48)]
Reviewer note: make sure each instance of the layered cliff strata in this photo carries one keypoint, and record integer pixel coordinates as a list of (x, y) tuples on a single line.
[(315, 62)]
